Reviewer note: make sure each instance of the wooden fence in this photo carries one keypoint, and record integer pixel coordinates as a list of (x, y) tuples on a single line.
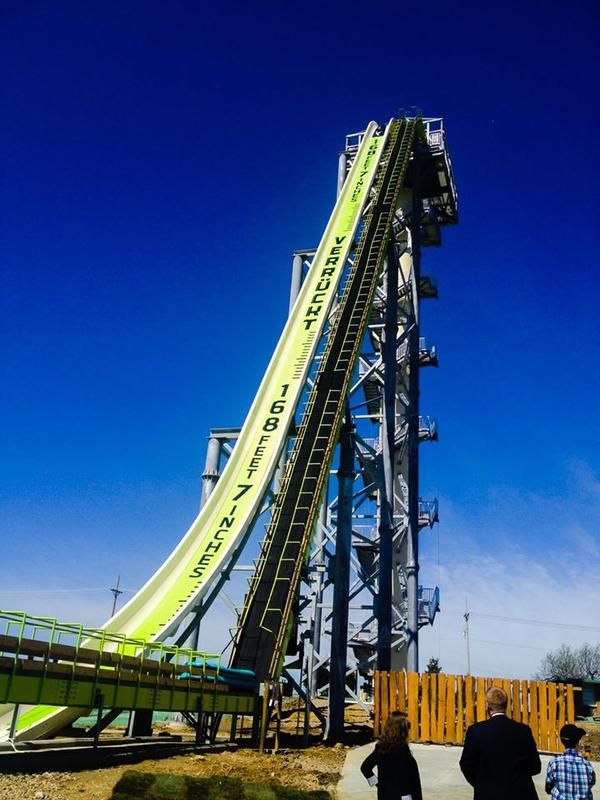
[(441, 707)]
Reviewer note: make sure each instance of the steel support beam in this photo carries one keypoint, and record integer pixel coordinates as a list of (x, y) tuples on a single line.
[(211, 473), (296, 283), (342, 170), (412, 554), (388, 434), (341, 583), (315, 644)]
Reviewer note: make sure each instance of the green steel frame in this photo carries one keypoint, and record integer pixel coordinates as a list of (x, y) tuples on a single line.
[(44, 662)]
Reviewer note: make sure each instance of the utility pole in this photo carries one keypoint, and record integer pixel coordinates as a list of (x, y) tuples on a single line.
[(466, 616), (116, 592)]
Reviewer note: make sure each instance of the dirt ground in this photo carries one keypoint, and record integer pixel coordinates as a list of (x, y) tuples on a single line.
[(312, 768), (316, 767), (592, 740)]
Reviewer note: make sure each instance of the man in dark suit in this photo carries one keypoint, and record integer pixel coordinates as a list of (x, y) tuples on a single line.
[(500, 756)]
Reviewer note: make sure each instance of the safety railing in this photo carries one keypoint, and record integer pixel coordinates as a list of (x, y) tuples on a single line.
[(428, 512), (428, 604), (43, 661)]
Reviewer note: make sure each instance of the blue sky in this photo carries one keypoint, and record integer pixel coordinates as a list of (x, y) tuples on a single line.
[(161, 162)]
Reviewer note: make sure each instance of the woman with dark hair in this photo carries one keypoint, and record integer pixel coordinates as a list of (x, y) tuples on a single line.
[(397, 771)]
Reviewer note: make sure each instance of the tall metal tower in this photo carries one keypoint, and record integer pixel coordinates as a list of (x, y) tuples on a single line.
[(328, 457), (361, 604)]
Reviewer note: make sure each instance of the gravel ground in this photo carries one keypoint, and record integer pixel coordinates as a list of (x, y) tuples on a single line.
[(592, 740), (313, 768)]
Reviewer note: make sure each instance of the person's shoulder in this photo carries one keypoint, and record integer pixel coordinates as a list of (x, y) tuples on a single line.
[(477, 727), (583, 760), (553, 760), (395, 749), (518, 727), (523, 726)]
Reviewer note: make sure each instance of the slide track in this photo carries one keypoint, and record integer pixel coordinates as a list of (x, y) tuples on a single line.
[(208, 550), (268, 612)]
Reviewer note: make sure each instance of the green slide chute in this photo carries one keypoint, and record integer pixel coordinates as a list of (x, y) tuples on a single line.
[(187, 575)]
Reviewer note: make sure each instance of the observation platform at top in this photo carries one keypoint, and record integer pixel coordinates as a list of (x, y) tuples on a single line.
[(437, 187), (45, 662)]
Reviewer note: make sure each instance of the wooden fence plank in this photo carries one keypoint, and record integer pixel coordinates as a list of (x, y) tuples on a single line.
[(553, 739), (543, 715), (469, 702), (377, 703), (450, 709), (562, 711), (524, 702), (515, 687), (394, 692), (412, 691), (534, 717), (441, 715), (460, 710), (570, 703), (481, 699), (433, 707), (402, 691), (505, 684), (385, 705), (425, 713)]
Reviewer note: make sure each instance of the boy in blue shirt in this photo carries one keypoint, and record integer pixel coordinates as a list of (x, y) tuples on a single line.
[(570, 776)]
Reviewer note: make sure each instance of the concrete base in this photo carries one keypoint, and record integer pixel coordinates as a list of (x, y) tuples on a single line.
[(441, 777)]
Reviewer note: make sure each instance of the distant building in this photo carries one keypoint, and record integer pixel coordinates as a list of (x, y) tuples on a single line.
[(587, 701)]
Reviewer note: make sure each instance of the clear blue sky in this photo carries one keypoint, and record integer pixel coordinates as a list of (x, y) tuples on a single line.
[(160, 163)]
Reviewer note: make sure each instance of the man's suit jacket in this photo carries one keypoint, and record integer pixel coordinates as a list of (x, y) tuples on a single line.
[(499, 758)]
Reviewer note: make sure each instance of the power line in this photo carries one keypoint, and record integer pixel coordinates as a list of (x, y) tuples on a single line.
[(510, 644), (568, 625), (502, 644), (60, 591)]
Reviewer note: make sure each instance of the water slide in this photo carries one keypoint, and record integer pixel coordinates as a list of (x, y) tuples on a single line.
[(269, 608), (197, 562)]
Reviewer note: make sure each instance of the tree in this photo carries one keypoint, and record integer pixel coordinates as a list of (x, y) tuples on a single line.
[(433, 666), (589, 660), (568, 663)]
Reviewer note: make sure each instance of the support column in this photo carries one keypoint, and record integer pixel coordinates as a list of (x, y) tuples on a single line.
[(319, 564), (412, 555), (386, 521), (341, 172), (341, 583), (296, 283), (211, 473)]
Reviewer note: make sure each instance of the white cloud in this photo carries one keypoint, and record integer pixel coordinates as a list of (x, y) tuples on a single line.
[(510, 586), (522, 556), (515, 554)]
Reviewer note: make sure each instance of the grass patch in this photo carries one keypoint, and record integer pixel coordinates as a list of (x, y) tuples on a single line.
[(145, 786)]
